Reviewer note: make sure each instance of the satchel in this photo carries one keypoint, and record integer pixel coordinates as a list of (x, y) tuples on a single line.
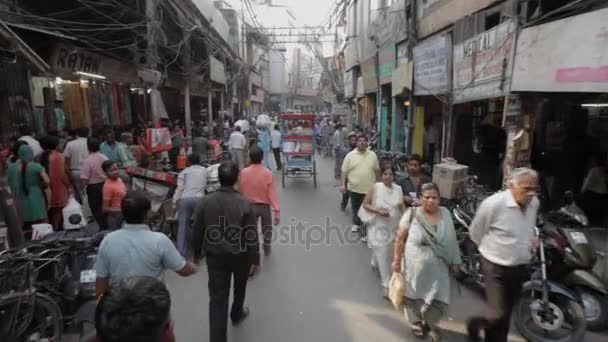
[(365, 215), (396, 289)]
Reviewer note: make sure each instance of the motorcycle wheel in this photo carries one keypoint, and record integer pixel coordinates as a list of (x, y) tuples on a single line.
[(595, 306), (562, 321)]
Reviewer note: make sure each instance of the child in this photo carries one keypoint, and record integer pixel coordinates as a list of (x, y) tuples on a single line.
[(114, 190)]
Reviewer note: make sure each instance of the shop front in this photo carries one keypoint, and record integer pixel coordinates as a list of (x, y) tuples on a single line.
[(569, 93), (370, 93), (432, 60), (93, 90), (386, 64), (482, 69)]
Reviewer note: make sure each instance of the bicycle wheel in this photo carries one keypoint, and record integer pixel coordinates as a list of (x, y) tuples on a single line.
[(37, 317)]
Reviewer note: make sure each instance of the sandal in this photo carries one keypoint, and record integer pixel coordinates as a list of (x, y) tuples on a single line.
[(418, 329), (435, 334)]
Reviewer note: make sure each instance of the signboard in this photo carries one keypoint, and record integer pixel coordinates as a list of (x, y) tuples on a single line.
[(402, 53), (431, 65), (402, 78), (217, 71), (370, 79), (68, 60), (359, 88), (482, 64), (568, 55), (386, 60), (349, 84)]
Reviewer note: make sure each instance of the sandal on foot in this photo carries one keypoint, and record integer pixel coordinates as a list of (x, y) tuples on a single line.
[(418, 329)]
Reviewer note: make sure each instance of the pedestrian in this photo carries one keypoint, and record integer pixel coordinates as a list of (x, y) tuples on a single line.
[(26, 135), (114, 190), (431, 254), (26, 180), (412, 184), (200, 145), (352, 145), (256, 183), (75, 153), (124, 151), (137, 309), (109, 147), (385, 204), (226, 233), (177, 143), (191, 183), (93, 178), (339, 151), (503, 230), (360, 168), (135, 250), (54, 165), (275, 137), (236, 144)]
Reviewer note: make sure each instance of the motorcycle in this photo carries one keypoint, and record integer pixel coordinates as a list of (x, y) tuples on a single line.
[(546, 310)]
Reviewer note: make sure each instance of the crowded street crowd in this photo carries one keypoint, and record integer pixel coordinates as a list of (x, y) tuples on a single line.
[(403, 223)]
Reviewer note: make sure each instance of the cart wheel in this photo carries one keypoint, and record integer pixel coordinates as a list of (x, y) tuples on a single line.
[(283, 176), (314, 173)]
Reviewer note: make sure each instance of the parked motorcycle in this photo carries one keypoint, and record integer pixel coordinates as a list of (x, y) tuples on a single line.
[(546, 310)]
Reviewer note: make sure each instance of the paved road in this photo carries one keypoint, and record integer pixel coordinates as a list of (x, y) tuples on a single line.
[(324, 292)]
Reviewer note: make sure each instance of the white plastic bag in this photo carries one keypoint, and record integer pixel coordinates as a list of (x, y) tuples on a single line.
[(263, 121), (73, 215), (396, 290)]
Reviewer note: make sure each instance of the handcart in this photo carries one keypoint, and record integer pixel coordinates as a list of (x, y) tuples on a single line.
[(299, 147)]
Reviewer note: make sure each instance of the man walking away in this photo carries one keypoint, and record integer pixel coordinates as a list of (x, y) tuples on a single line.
[(93, 178), (360, 170), (236, 144), (200, 145), (135, 250), (275, 137), (191, 184), (137, 309), (226, 233), (257, 185), (75, 153), (503, 229)]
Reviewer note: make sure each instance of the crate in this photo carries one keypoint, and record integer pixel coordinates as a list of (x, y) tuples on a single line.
[(449, 189), (449, 172)]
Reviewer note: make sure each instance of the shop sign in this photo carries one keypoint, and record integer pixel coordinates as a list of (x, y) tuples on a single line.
[(67, 60), (386, 60), (349, 84), (402, 53), (568, 55), (370, 78), (431, 65), (217, 71), (402, 78), (482, 64)]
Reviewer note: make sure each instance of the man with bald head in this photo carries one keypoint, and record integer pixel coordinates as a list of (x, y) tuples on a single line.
[(503, 230)]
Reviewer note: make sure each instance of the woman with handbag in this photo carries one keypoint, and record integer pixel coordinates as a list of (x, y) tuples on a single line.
[(427, 238), (381, 210)]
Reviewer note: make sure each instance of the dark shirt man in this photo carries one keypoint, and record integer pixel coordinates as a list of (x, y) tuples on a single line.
[(410, 186), (200, 145), (225, 231), (137, 310)]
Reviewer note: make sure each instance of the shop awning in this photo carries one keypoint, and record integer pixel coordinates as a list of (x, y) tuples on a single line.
[(22, 48)]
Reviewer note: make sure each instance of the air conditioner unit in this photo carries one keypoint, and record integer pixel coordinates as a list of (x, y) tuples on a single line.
[(150, 76)]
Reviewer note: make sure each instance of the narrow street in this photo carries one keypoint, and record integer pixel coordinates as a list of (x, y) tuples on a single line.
[(326, 293)]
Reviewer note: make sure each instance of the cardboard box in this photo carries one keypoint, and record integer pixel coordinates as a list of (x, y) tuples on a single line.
[(449, 172), (449, 189)]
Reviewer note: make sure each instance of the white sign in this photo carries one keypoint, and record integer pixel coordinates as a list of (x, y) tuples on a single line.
[(568, 55), (482, 64), (349, 84), (218, 73), (431, 60)]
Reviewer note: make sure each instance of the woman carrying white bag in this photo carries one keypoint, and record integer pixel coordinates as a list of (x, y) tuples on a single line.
[(381, 210), (73, 215)]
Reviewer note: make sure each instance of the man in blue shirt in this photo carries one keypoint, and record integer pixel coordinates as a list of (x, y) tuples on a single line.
[(135, 250)]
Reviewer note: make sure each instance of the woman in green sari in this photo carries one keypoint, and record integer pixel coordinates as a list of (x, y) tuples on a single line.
[(431, 253), (26, 180)]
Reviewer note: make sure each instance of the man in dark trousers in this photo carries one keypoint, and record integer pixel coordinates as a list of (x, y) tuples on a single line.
[(225, 232)]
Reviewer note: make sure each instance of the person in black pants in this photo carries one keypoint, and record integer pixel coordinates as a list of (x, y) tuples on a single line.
[(226, 233), (93, 178), (275, 138)]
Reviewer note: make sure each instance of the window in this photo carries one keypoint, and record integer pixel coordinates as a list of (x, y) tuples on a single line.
[(492, 20)]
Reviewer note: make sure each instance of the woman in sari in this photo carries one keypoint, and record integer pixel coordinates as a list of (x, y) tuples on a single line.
[(431, 253), (26, 180), (384, 206)]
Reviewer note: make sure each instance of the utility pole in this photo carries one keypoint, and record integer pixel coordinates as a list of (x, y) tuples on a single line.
[(412, 36), (152, 51), (188, 71)]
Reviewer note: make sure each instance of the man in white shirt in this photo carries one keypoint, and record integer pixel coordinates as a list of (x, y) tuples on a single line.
[(236, 144), (275, 138), (503, 230), (75, 152), (191, 184), (26, 136)]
